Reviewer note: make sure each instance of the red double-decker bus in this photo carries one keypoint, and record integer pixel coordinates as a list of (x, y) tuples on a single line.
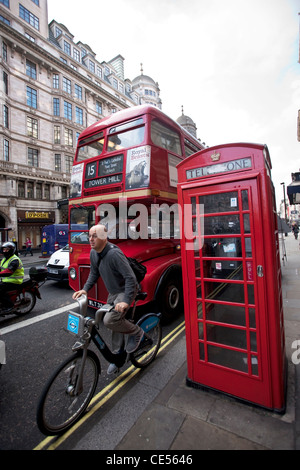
[(124, 174)]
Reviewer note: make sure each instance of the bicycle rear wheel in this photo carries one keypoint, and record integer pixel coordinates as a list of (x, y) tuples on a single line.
[(59, 407), (150, 345)]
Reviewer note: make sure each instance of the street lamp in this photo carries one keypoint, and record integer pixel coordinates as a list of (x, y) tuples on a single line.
[(284, 201)]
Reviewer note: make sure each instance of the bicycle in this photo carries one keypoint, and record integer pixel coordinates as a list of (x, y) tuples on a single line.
[(71, 387)]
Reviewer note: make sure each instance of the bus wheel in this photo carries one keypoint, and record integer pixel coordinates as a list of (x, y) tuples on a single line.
[(170, 299)]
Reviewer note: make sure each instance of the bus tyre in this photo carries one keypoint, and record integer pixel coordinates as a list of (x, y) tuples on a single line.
[(170, 299)]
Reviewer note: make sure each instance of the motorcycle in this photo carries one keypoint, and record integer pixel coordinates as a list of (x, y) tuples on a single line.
[(24, 295)]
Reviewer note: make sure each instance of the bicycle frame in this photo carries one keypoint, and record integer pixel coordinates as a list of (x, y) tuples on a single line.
[(86, 329), (74, 385)]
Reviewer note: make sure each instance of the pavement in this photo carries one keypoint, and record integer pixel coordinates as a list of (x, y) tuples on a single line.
[(36, 258), (185, 418), (160, 412)]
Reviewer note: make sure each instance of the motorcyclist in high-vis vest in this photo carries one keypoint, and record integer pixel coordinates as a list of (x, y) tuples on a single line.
[(11, 272)]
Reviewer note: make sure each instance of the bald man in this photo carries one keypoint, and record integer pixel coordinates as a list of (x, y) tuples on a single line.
[(109, 262)]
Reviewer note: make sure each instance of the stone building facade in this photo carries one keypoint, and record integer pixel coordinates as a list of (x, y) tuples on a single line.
[(51, 89)]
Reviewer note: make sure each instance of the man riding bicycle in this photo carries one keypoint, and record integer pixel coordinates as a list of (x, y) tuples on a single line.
[(109, 262), (11, 273)]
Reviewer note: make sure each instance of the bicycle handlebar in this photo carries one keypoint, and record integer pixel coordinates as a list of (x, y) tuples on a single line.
[(82, 300)]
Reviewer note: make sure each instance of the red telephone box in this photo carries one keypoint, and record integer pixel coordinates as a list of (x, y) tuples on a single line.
[(232, 274)]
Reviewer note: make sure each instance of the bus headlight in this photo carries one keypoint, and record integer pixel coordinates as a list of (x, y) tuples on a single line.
[(72, 273)]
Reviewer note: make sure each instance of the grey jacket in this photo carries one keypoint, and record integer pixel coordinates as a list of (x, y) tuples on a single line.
[(111, 264)]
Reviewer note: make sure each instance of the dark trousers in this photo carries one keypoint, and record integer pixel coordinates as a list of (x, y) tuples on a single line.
[(4, 297)]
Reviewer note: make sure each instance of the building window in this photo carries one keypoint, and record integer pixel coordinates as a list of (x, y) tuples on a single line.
[(32, 127), (21, 189), (115, 83), (4, 20), (30, 69), (76, 54), (55, 80), (31, 38), (99, 107), (63, 60), (5, 116), (47, 192), (37, 2), (56, 111), (79, 116), (69, 163), (30, 188), (38, 191), (67, 48), (5, 3), (58, 31), (78, 91), (77, 137), (5, 82), (57, 134), (4, 51), (92, 66), (29, 17), (33, 157), (6, 150), (31, 97), (69, 137), (68, 110), (64, 193), (67, 85), (57, 159), (99, 71)]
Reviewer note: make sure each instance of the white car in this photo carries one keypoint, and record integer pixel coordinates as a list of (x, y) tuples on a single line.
[(58, 264)]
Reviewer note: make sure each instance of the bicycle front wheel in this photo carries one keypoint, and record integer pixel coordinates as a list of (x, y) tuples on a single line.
[(60, 405), (149, 346)]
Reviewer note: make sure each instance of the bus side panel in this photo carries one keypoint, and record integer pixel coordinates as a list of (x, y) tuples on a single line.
[(161, 171)]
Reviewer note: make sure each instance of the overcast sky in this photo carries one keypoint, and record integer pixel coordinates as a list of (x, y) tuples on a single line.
[(232, 64)]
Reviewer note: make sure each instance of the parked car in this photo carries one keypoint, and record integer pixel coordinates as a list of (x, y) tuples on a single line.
[(58, 264)]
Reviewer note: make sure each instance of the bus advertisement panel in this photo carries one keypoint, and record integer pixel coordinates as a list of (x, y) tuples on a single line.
[(124, 175)]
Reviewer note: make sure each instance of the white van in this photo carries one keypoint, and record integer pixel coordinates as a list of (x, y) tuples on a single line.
[(58, 264)]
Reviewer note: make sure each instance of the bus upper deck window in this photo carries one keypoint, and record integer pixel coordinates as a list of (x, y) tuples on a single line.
[(165, 137), (124, 137), (190, 148), (90, 147)]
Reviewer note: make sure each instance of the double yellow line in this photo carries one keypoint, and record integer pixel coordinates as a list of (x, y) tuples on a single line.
[(52, 442)]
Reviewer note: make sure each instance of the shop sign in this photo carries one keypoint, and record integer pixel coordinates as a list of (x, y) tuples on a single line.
[(36, 215)]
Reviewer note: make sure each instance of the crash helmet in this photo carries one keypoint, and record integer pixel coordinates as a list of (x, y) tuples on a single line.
[(11, 251)]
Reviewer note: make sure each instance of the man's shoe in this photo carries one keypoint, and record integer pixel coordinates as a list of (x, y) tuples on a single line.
[(134, 341), (112, 369)]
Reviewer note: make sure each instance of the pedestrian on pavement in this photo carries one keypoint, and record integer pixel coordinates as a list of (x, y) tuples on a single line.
[(28, 246), (108, 261), (295, 230)]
